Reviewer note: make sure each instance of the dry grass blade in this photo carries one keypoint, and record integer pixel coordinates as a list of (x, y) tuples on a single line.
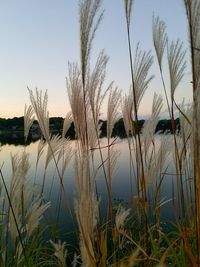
[(28, 120), (128, 4), (112, 111), (94, 86), (177, 64), (64, 154), (150, 124), (66, 124), (86, 208), (89, 22), (93, 133), (142, 63), (157, 164), (40, 150), (60, 252), (121, 217), (157, 105), (159, 38), (20, 167), (90, 18), (55, 144), (28, 210), (34, 212), (39, 104), (185, 126), (113, 155), (78, 105), (127, 109)]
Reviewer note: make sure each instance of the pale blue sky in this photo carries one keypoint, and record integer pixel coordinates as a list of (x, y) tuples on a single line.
[(39, 37)]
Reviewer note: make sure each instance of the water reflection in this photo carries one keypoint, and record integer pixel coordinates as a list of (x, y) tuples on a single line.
[(66, 221), (17, 138)]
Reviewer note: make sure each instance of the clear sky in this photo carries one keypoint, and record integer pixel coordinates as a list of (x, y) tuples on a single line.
[(38, 38)]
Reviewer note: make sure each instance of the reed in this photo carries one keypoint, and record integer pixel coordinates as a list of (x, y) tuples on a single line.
[(123, 237)]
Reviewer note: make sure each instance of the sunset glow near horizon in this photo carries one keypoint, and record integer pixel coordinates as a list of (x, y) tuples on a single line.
[(38, 38)]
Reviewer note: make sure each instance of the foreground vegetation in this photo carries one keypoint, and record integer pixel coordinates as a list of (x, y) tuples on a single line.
[(125, 237)]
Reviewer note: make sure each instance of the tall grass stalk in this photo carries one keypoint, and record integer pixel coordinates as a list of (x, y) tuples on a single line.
[(127, 119), (177, 66), (14, 217), (112, 117), (192, 12), (84, 90), (24, 212), (55, 143), (128, 8), (140, 80)]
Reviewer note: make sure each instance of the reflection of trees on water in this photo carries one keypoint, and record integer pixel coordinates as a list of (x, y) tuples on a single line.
[(16, 138)]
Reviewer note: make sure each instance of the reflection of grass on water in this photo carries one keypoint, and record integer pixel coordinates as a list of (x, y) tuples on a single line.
[(125, 236)]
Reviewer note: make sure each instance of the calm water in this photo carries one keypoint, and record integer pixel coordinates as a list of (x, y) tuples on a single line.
[(66, 221)]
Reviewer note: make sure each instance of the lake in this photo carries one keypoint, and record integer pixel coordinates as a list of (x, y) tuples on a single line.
[(66, 221)]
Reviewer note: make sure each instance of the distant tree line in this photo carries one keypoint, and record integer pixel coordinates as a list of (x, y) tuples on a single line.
[(11, 130)]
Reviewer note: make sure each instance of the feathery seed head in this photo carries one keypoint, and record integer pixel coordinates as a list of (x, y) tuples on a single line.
[(39, 104), (112, 110), (28, 120), (128, 5), (60, 252), (28, 210), (127, 108), (121, 217), (142, 63), (112, 162), (159, 38), (65, 154), (86, 207), (79, 105), (89, 22), (35, 214), (94, 86), (54, 146), (66, 124), (149, 126), (40, 149), (177, 64)]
